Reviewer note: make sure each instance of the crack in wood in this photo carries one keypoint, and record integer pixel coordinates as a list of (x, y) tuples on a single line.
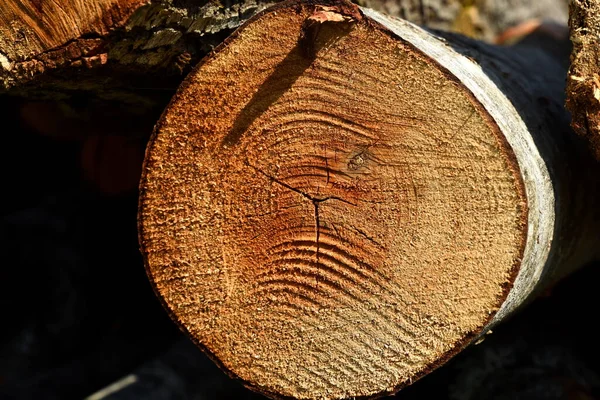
[(317, 236), (316, 201), (369, 238), (300, 192)]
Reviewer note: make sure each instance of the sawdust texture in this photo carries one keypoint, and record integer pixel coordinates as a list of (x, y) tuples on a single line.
[(330, 217)]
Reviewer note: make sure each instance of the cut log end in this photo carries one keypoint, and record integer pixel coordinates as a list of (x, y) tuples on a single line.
[(329, 214)]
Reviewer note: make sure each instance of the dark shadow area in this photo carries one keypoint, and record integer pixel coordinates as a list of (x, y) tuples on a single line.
[(78, 309), (279, 82), (287, 72)]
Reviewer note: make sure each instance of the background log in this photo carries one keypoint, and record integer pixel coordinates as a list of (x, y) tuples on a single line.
[(118, 49), (267, 194), (133, 51), (583, 100)]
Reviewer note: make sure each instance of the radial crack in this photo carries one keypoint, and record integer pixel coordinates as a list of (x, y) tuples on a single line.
[(317, 236), (285, 185), (366, 236), (314, 200), (293, 189), (318, 228)]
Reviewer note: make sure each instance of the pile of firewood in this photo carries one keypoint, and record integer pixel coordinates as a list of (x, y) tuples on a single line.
[(335, 199)]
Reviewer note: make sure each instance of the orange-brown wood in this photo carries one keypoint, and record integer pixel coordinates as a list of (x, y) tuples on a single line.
[(38, 35), (330, 221), (34, 26)]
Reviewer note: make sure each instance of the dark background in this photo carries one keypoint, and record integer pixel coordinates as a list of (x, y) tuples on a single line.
[(79, 313)]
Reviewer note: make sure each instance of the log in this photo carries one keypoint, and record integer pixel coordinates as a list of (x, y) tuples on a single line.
[(132, 51), (336, 202), (583, 87), (110, 46)]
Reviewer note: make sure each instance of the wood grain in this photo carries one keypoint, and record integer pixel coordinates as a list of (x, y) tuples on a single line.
[(329, 226)]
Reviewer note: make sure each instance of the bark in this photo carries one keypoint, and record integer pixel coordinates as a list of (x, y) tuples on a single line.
[(336, 202), (583, 89)]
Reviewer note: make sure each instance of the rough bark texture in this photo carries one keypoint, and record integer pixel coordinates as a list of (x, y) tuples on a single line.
[(353, 199), (583, 90)]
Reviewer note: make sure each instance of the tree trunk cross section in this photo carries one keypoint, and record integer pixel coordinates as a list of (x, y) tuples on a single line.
[(336, 202)]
